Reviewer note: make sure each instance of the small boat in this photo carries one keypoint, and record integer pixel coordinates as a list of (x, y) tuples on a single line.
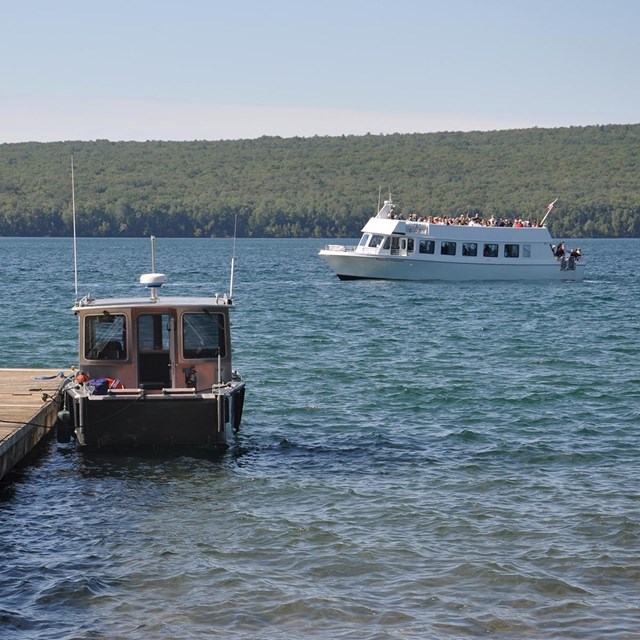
[(154, 372), (392, 248)]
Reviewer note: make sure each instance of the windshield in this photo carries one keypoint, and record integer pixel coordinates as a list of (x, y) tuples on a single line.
[(203, 335), (105, 337)]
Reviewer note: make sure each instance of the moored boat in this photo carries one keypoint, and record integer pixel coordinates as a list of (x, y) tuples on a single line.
[(392, 248), (153, 372)]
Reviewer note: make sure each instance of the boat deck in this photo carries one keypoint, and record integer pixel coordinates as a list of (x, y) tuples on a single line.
[(28, 410)]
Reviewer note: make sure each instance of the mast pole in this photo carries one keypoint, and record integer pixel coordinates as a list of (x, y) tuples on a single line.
[(153, 254), (233, 256), (549, 207), (73, 212)]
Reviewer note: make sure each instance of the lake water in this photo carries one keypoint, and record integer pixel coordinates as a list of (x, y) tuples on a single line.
[(416, 460)]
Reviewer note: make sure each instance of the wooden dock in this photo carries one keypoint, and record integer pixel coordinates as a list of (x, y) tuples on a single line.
[(28, 411)]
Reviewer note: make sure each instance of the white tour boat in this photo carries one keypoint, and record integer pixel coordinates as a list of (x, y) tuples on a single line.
[(153, 372), (392, 248)]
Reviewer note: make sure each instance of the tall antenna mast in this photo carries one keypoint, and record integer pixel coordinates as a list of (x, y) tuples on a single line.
[(233, 256), (153, 254), (73, 211)]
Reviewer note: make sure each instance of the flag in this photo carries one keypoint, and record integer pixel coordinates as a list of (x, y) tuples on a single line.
[(550, 205)]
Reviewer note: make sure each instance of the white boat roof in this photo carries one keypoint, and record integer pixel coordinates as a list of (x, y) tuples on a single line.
[(476, 233), (187, 302)]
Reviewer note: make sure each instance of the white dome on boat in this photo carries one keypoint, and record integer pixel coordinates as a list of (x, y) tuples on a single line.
[(153, 280)]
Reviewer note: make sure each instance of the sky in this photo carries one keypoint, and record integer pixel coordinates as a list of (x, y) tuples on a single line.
[(237, 69)]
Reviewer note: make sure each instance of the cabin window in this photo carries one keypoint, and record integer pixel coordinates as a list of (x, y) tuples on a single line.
[(526, 250), (410, 245), (387, 243), (203, 335), (364, 240), (469, 249), (427, 246), (376, 240), (511, 250), (448, 248), (105, 337), (490, 250), (153, 332)]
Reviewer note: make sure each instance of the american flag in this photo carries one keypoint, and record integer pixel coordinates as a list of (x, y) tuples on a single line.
[(550, 205)]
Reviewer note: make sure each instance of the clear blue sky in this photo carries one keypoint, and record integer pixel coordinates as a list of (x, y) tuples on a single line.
[(198, 69)]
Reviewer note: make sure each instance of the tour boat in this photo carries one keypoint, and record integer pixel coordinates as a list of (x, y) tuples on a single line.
[(153, 372), (392, 248)]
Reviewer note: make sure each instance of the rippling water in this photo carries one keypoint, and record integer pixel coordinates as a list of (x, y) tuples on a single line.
[(416, 460)]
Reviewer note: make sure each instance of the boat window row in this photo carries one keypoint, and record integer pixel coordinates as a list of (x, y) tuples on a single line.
[(105, 335), (445, 247), (471, 249)]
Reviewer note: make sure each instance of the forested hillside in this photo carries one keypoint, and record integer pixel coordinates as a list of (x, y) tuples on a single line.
[(323, 186)]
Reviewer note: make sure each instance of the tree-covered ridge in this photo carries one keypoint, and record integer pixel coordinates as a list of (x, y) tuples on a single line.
[(323, 186)]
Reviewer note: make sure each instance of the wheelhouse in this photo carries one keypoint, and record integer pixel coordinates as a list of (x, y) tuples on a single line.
[(156, 346)]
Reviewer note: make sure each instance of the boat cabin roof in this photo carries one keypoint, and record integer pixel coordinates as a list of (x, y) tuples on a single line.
[(388, 226), (182, 302)]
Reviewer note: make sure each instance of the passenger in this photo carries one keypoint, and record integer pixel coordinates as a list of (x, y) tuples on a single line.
[(576, 253), (560, 250)]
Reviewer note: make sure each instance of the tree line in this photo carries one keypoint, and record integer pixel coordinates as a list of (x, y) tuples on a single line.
[(323, 186)]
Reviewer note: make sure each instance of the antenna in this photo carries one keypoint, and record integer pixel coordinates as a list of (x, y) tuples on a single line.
[(233, 256), (153, 254), (73, 211)]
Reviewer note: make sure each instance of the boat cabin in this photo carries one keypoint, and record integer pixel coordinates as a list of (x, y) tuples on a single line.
[(167, 344)]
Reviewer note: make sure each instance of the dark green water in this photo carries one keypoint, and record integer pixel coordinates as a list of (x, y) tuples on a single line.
[(417, 460)]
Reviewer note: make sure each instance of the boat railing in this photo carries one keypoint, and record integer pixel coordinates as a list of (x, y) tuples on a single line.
[(165, 391), (417, 227), (133, 391)]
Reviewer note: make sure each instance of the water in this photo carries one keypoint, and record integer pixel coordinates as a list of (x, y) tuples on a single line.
[(416, 460)]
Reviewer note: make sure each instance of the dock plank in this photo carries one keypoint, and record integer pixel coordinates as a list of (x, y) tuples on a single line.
[(28, 409)]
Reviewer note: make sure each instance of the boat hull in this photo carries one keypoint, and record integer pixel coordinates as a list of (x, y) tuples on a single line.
[(355, 266), (199, 421)]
